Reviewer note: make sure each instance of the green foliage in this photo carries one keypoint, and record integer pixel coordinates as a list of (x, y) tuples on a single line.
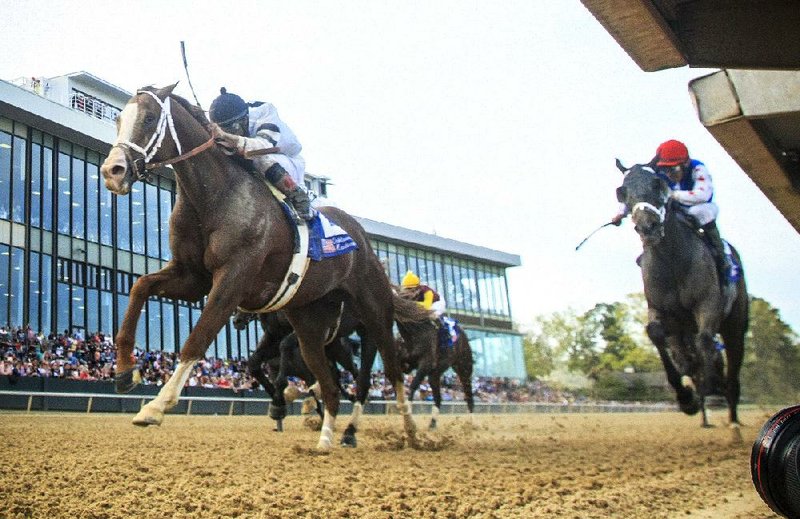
[(538, 356), (772, 357)]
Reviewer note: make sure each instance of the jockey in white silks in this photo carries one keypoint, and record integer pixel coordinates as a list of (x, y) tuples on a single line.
[(251, 129)]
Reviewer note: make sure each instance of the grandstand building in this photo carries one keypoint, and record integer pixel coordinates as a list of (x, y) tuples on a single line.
[(70, 250)]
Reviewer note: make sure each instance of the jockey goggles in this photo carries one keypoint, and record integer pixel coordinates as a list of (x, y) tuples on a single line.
[(236, 127)]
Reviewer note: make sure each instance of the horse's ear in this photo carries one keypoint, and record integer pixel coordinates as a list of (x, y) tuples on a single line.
[(620, 166), (162, 93)]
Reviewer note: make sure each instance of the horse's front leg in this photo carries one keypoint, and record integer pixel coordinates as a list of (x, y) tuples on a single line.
[(173, 281), (682, 384), (711, 366), (222, 300)]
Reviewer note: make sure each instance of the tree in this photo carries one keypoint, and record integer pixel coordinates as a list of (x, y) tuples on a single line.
[(772, 357), (538, 354)]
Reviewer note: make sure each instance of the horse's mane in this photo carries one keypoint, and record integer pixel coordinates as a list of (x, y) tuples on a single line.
[(194, 111)]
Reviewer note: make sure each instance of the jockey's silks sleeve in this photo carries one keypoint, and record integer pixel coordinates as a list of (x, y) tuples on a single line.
[(267, 130), (701, 192)]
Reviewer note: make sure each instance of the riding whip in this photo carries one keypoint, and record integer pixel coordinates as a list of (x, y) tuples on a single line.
[(592, 234), (186, 68)]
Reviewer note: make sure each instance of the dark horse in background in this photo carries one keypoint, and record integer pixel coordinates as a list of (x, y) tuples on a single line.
[(231, 241), (687, 302), (279, 351), (421, 350), (278, 348)]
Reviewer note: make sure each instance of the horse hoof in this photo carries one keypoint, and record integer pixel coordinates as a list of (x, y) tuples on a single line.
[(432, 425), (125, 381), (145, 419), (324, 445), (349, 440), (277, 412)]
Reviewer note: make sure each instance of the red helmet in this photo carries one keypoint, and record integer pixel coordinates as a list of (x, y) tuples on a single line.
[(672, 153)]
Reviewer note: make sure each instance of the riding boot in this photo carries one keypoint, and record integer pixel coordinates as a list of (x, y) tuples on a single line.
[(717, 249), (281, 179)]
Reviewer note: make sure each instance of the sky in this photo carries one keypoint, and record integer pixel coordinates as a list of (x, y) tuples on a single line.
[(490, 122)]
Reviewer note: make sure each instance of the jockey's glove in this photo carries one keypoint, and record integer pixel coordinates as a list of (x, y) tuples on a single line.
[(231, 144)]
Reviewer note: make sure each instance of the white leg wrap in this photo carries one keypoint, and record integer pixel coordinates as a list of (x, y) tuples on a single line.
[(169, 394), (686, 381), (356, 416), (326, 434), (434, 412)]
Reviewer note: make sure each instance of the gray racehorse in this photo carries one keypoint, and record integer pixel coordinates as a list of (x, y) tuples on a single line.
[(687, 302)]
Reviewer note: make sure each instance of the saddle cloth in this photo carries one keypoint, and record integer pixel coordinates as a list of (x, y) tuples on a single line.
[(448, 333), (326, 239)]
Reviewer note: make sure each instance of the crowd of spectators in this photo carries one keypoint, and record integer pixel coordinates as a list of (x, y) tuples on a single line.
[(26, 353)]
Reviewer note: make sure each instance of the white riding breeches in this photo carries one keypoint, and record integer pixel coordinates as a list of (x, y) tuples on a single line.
[(704, 213)]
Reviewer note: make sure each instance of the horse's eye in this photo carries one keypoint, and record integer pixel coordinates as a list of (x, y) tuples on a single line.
[(149, 119)]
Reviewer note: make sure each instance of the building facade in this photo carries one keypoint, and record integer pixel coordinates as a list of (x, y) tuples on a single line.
[(70, 250)]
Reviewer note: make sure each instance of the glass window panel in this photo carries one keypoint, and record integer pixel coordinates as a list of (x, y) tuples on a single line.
[(402, 267), (221, 349), (36, 185), (123, 222), (78, 198), (137, 219), (106, 221), (168, 326), (166, 209), (34, 292), (184, 324), (19, 175), (5, 259), (106, 312), (153, 324), (17, 286), (46, 289), (78, 307), (92, 310), (63, 305), (92, 203), (5, 176), (64, 195), (47, 189), (152, 222)]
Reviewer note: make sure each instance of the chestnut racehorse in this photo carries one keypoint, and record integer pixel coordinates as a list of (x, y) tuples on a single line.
[(232, 242)]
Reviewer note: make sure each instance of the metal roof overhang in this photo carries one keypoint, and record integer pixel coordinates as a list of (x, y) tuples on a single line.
[(754, 114)]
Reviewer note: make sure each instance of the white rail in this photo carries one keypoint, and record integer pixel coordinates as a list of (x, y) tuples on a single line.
[(388, 406)]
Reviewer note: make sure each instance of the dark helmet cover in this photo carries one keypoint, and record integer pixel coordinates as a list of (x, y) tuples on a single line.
[(227, 108)]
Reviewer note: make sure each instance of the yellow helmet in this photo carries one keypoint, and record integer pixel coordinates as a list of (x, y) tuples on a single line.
[(410, 280)]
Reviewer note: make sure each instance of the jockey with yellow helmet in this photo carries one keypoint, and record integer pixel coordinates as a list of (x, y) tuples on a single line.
[(424, 295)]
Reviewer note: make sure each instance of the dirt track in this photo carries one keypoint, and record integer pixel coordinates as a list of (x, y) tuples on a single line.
[(596, 465)]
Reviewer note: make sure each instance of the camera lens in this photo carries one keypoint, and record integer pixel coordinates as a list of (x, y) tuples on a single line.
[(775, 462)]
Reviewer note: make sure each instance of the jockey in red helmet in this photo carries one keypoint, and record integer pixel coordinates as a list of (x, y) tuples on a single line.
[(691, 186), (243, 129)]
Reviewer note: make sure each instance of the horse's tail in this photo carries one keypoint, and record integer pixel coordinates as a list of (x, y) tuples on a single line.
[(406, 311)]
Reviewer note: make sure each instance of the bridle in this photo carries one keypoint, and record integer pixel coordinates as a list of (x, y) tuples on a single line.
[(142, 165)]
